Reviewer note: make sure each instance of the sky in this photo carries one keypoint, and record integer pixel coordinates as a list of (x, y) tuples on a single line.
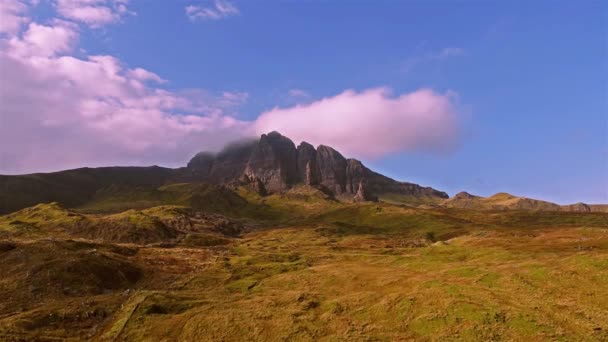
[(473, 96)]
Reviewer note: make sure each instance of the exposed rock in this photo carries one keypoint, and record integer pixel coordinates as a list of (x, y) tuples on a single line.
[(355, 174), (332, 169), (307, 164), (273, 161), (363, 195), (310, 177), (273, 164), (201, 164), (254, 183), (231, 162)]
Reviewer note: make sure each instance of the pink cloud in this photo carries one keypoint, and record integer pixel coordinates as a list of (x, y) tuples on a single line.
[(12, 16), (145, 75), (59, 111), (94, 13), (45, 41), (371, 123)]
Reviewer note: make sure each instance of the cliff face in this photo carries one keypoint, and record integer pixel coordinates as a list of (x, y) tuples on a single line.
[(274, 163), (308, 170)]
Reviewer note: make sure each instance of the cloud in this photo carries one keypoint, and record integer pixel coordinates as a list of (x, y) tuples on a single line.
[(42, 40), (12, 16), (221, 9), (94, 13), (371, 123), (59, 111), (298, 93), (432, 57), (145, 75)]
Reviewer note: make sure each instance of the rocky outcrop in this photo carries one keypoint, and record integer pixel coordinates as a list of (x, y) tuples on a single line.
[(222, 168), (363, 195), (201, 164), (332, 169), (253, 183), (308, 171), (274, 164), (310, 177)]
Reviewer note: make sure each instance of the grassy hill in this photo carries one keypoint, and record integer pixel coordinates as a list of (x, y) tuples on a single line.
[(74, 187), (505, 201), (198, 262)]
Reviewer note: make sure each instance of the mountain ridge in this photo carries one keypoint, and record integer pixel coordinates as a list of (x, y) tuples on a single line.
[(268, 165), (276, 163)]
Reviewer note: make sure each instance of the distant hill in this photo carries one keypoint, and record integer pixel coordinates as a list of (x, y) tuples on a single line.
[(505, 201), (74, 187)]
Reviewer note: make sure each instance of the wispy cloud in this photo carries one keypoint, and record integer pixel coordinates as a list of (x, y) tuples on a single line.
[(219, 10), (430, 57), (298, 93)]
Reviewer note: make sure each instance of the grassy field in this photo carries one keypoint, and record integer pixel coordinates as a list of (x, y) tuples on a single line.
[(302, 267)]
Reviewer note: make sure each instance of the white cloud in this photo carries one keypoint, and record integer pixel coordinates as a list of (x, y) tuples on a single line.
[(219, 10), (94, 13), (371, 123)]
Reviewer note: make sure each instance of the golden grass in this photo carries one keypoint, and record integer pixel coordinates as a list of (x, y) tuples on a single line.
[(319, 270)]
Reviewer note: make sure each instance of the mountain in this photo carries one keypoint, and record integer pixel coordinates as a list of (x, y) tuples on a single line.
[(276, 164), (270, 164)]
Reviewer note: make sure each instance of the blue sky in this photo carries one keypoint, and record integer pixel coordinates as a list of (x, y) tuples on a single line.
[(530, 78)]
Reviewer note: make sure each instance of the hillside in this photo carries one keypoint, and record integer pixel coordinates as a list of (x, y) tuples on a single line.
[(234, 265), (266, 241)]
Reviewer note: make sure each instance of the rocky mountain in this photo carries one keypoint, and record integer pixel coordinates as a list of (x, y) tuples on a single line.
[(270, 164), (275, 164)]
